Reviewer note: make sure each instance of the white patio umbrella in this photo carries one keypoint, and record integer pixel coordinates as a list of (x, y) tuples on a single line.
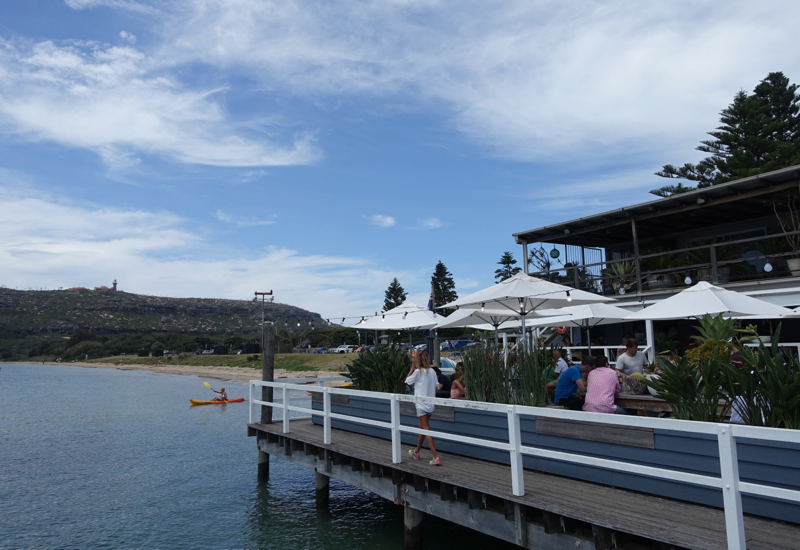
[(706, 299), (524, 294), (582, 316), (483, 319), (407, 316)]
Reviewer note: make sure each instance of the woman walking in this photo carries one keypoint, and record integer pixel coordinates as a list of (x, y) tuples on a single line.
[(424, 380)]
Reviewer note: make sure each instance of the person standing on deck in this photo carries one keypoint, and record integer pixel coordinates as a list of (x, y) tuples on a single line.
[(424, 380)]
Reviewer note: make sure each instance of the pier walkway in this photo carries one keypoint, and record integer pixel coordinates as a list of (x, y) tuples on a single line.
[(555, 513)]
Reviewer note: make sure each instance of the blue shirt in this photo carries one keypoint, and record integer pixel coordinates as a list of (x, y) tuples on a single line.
[(566, 382)]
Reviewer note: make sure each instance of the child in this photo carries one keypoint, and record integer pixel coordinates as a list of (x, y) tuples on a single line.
[(424, 380)]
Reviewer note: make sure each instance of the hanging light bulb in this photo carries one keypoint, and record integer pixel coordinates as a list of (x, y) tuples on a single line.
[(383, 318), (569, 298), (285, 323), (362, 321), (688, 280), (483, 306), (522, 304), (767, 267), (405, 315), (298, 323), (310, 324), (342, 320), (622, 290)]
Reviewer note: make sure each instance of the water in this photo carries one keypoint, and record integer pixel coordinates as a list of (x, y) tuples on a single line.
[(106, 458)]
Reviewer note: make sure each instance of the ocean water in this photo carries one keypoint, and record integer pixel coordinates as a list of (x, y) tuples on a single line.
[(107, 458)]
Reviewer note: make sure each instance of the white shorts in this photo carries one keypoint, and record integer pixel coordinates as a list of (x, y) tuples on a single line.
[(421, 412)]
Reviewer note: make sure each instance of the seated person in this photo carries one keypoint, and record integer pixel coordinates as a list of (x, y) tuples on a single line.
[(602, 385), (222, 395), (553, 374), (571, 382), (633, 360), (458, 388), (444, 383)]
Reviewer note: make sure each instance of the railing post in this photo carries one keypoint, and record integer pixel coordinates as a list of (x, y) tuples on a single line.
[(517, 482), (394, 405), (326, 419), (732, 498), (636, 262), (713, 252), (285, 409), (252, 404)]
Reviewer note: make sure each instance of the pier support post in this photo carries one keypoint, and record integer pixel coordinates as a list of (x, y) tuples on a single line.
[(263, 466), (322, 483), (412, 531), (267, 370)]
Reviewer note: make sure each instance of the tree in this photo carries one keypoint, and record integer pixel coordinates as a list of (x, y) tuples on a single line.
[(394, 296), (444, 288), (507, 268), (759, 133)]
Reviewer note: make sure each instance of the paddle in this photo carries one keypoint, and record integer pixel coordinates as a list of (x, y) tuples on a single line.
[(206, 384)]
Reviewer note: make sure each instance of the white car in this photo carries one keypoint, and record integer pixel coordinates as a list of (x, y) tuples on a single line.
[(346, 348)]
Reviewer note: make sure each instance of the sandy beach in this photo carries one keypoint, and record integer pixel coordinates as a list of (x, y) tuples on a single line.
[(209, 372)]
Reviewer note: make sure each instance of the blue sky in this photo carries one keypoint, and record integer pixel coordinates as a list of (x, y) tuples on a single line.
[(212, 148)]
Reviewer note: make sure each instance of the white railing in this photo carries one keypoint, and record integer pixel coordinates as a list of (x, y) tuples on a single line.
[(726, 434), (611, 352)]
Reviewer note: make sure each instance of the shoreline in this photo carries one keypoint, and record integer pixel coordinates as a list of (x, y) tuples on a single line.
[(238, 374)]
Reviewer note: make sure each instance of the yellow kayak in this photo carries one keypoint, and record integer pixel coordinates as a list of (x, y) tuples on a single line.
[(196, 402)]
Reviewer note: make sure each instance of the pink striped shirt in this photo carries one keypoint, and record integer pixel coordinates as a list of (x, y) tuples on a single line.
[(601, 387)]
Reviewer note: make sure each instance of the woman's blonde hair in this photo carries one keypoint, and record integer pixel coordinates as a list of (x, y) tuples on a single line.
[(422, 359)]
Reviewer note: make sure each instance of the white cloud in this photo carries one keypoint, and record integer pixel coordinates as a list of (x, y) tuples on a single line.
[(240, 221), (130, 5), (529, 80), (431, 223), (381, 220), (111, 99), (128, 37), (49, 242)]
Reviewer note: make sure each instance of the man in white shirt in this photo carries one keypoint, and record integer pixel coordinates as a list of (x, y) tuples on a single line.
[(561, 366), (633, 360)]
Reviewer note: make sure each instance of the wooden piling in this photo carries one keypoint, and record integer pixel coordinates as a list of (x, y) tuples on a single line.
[(263, 466), (412, 528), (267, 374), (322, 484)]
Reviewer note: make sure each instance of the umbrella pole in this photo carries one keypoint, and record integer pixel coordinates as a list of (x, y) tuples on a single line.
[(524, 335), (589, 339)]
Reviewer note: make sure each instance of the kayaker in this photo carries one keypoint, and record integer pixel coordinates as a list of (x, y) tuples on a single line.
[(222, 395)]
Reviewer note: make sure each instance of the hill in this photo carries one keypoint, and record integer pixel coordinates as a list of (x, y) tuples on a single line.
[(114, 312)]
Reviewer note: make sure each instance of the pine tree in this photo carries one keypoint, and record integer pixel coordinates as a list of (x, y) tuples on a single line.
[(444, 288), (394, 296), (507, 268), (759, 133)]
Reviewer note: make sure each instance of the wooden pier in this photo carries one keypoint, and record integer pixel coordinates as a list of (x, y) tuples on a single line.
[(556, 513)]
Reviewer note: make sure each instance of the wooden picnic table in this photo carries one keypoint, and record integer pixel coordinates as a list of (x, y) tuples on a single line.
[(643, 402)]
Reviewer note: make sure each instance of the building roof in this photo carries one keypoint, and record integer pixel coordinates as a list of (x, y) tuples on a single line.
[(736, 200)]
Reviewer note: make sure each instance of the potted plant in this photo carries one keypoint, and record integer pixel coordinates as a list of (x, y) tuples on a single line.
[(786, 210), (664, 260), (622, 275), (724, 253)]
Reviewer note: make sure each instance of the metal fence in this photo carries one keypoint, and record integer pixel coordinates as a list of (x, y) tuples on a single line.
[(726, 434)]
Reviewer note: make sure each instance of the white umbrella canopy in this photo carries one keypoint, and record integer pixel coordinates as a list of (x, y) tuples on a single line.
[(475, 318), (407, 316), (581, 316), (523, 291), (706, 299)]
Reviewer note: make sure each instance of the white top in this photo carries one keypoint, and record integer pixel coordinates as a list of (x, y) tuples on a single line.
[(630, 365), (561, 365), (425, 383)]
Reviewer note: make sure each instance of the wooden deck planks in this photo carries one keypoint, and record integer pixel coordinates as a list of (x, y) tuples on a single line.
[(673, 521)]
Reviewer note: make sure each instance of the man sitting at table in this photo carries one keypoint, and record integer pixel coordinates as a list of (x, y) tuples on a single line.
[(602, 385), (633, 360), (571, 382), (553, 374)]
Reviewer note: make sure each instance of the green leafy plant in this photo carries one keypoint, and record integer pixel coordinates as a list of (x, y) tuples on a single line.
[(521, 380), (692, 389), (709, 349), (717, 328), (664, 260), (765, 389), (382, 370), (667, 342), (723, 252), (622, 275)]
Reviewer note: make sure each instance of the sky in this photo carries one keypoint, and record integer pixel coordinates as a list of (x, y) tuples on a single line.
[(214, 148)]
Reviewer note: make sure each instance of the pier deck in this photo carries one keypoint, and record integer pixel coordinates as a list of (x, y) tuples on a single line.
[(555, 513)]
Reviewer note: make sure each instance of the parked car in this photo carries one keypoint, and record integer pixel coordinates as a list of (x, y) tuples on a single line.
[(346, 348), (208, 352), (456, 344), (319, 350), (332, 350), (236, 352)]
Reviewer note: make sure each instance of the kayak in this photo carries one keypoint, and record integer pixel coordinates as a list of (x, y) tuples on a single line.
[(196, 402)]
